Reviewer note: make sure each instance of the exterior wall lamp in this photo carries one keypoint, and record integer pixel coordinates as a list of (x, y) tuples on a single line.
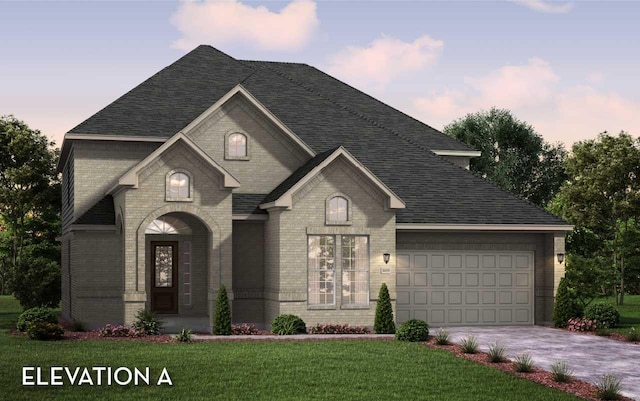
[(560, 257), (386, 256)]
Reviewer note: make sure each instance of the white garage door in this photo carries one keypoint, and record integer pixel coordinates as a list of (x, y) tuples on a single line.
[(452, 288)]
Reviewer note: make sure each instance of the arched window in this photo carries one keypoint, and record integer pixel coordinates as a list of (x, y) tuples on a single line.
[(168, 225), (179, 186), (237, 145), (338, 209)]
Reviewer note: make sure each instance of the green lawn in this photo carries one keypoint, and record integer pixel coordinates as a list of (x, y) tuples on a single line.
[(342, 370), (629, 312)]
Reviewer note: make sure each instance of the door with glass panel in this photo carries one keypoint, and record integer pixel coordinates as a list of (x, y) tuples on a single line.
[(164, 288)]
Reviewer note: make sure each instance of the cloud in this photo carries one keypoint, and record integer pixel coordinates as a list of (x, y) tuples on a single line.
[(535, 94), (545, 6), (230, 22), (384, 59)]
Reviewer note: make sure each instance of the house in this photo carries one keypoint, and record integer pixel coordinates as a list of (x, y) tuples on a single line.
[(301, 195)]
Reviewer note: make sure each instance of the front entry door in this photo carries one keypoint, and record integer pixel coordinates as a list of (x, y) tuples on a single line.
[(164, 288)]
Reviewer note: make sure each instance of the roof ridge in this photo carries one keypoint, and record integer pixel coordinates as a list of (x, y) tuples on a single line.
[(393, 132), (274, 62), (346, 108)]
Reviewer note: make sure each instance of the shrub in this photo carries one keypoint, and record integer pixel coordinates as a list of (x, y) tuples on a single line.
[(288, 324), (120, 331), (37, 282), (524, 363), (565, 306), (561, 372), (442, 337), (469, 345), (185, 336), (581, 325), (413, 330), (608, 387), (244, 329), (338, 329), (497, 353), (147, 322), (36, 315), (44, 331), (633, 335), (607, 316), (384, 322), (222, 322)]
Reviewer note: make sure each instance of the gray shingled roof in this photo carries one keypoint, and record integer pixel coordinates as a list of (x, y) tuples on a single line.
[(102, 213), (325, 114), (247, 203)]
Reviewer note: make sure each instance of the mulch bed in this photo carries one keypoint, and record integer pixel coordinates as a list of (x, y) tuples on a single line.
[(576, 387), (612, 336)]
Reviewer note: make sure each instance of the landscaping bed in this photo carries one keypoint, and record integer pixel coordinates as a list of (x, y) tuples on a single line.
[(576, 387)]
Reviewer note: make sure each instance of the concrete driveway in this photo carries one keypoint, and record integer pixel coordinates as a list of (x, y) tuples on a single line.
[(589, 356)]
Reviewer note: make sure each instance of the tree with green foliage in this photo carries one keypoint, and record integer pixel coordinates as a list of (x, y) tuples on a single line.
[(565, 307), (384, 323), (29, 214), (222, 322), (602, 195), (513, 155)]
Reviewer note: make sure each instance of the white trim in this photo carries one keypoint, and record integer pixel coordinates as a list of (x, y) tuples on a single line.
[(125, 138), (286, 199), (130, 178), (240, 89), (260, 217), (484, 227), (467, 153), (91, 227)]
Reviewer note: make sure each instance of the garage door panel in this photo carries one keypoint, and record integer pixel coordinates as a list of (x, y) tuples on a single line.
[(465, 288)]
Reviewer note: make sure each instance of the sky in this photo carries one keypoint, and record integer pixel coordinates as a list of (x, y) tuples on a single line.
[(568, 68)]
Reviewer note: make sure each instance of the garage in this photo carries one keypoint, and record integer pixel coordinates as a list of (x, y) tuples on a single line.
[(458, 288)]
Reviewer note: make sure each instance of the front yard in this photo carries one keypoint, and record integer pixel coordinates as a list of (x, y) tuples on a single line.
[(351, 370)]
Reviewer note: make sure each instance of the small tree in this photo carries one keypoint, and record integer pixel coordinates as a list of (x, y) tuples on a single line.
[(222, 322), (384, 323), (565, 306)]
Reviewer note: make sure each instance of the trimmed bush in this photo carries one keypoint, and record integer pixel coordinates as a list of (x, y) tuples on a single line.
[(581, 324), (288, 324), (413, 330), (606, 315), (120, 331), (565, 307), (147, 322), (185, 336), (36, 315), (633, 335), (244, 329), (44, 331), (222, 322), (338, 329), (384, 323)]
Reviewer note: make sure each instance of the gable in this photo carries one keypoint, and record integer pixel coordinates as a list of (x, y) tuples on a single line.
[(159, 157), (273, 153)]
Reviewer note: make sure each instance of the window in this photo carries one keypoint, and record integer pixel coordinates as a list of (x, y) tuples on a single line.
[(237, 146), (179, 186), (321, 270), (338, 210), (355, 270), (168, 225), (352, 259), (186, 267)]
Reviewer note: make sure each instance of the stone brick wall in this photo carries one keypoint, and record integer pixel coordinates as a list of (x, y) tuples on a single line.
[(308, 216), (272, 156)]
